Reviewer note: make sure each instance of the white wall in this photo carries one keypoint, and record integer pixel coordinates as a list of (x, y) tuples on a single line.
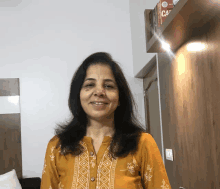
[(42, 43), (139, 50), (140, 55)]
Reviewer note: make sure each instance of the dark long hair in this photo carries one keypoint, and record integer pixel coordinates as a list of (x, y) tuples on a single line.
[(127, 128)]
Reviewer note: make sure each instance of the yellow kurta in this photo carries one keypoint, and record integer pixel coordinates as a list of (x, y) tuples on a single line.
[(144, 169)]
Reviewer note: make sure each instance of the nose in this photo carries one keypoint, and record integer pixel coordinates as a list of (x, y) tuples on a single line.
[(99, 91)]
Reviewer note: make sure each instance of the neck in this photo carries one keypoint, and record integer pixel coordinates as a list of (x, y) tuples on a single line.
[(99, 129)]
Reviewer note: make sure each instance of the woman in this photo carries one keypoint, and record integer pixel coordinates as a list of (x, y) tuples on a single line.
[(103, 146)]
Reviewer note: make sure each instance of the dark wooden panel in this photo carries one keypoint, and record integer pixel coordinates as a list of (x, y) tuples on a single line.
[(9, 87), (164, 61), (152, 108), (10, 143), (149, 78), (147, 26), (190, 88)]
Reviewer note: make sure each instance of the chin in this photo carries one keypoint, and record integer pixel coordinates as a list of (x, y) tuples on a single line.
[(102, 117)]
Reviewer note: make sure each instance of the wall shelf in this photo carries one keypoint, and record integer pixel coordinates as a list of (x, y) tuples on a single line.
[(185, 20)]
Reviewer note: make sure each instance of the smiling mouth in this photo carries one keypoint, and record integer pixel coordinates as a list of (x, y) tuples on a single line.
[(98, 103)]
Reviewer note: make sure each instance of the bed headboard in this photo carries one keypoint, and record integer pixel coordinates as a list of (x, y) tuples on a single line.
[(10, 127)]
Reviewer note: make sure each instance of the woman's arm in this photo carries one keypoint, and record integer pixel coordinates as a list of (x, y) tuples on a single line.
[(50, 176), (153, 172)]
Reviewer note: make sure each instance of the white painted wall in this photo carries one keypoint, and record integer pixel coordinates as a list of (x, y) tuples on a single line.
[(139, 51), (42, 43)]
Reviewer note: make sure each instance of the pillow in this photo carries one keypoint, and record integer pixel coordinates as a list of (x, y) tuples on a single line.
[(9, 181)]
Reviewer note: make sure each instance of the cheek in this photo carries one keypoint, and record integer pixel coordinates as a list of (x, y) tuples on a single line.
[(83, 95), (80, 96), (83, 98), (114, 98)]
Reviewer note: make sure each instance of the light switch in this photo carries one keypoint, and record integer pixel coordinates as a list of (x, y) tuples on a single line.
[(169, 154)]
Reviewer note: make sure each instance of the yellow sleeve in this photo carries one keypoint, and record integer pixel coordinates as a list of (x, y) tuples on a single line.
[(153, 172), (50, 176)]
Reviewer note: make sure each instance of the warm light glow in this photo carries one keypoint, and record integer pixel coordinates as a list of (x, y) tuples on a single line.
[(14, 99), (181, 64), (196, 46), (165, 46)]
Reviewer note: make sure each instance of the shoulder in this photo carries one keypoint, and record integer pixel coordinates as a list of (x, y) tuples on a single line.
[(144, 145), (146, 141), (146, 138), (53, 141)]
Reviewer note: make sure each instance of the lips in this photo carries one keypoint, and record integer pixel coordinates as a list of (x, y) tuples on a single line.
[(99, 102), (100, 106)]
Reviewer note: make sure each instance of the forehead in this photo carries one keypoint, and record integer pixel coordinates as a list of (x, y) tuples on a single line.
[(99, 70)]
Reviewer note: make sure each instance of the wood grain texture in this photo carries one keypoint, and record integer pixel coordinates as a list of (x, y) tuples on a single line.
[(191, 111), (10, 144), (9, 87), (10, 131), (152, 109), (164, 63)]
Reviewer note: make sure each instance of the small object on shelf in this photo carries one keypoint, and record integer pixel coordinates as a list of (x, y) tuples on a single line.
[(166, 7), (151, 23), (154, 20), (159, 14)]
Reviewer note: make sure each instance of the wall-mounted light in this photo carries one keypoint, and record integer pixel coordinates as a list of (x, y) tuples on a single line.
[(165, 46), (195, 46)]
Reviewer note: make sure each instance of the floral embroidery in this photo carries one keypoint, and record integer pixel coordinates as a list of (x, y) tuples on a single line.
[(165, 186), (135, 162), (44, 170), (52, 156), (60, 149), (92, 162), (148, 174), (131, 166), (60, 186)]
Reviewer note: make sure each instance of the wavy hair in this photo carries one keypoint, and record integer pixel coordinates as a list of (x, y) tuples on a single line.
[(127, 127)]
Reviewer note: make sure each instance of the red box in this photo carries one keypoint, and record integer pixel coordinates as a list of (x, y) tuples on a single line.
[(166, 7)]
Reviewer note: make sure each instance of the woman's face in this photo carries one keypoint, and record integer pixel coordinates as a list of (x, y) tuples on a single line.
[(99, 95)]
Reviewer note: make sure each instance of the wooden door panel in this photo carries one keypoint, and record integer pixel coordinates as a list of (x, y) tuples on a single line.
[(10, 128), (190, 90), (152, 106)]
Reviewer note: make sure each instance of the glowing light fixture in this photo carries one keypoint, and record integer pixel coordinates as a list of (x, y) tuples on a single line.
[(165, 46), (196, 46)]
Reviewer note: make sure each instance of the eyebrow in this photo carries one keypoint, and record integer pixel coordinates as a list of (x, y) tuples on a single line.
[(92, 79)]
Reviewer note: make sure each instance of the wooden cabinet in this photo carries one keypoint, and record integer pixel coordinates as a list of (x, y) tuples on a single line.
[(189, 91)]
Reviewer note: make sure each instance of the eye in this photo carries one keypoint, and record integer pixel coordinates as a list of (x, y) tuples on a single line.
[(109, 86), (89, 85)]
